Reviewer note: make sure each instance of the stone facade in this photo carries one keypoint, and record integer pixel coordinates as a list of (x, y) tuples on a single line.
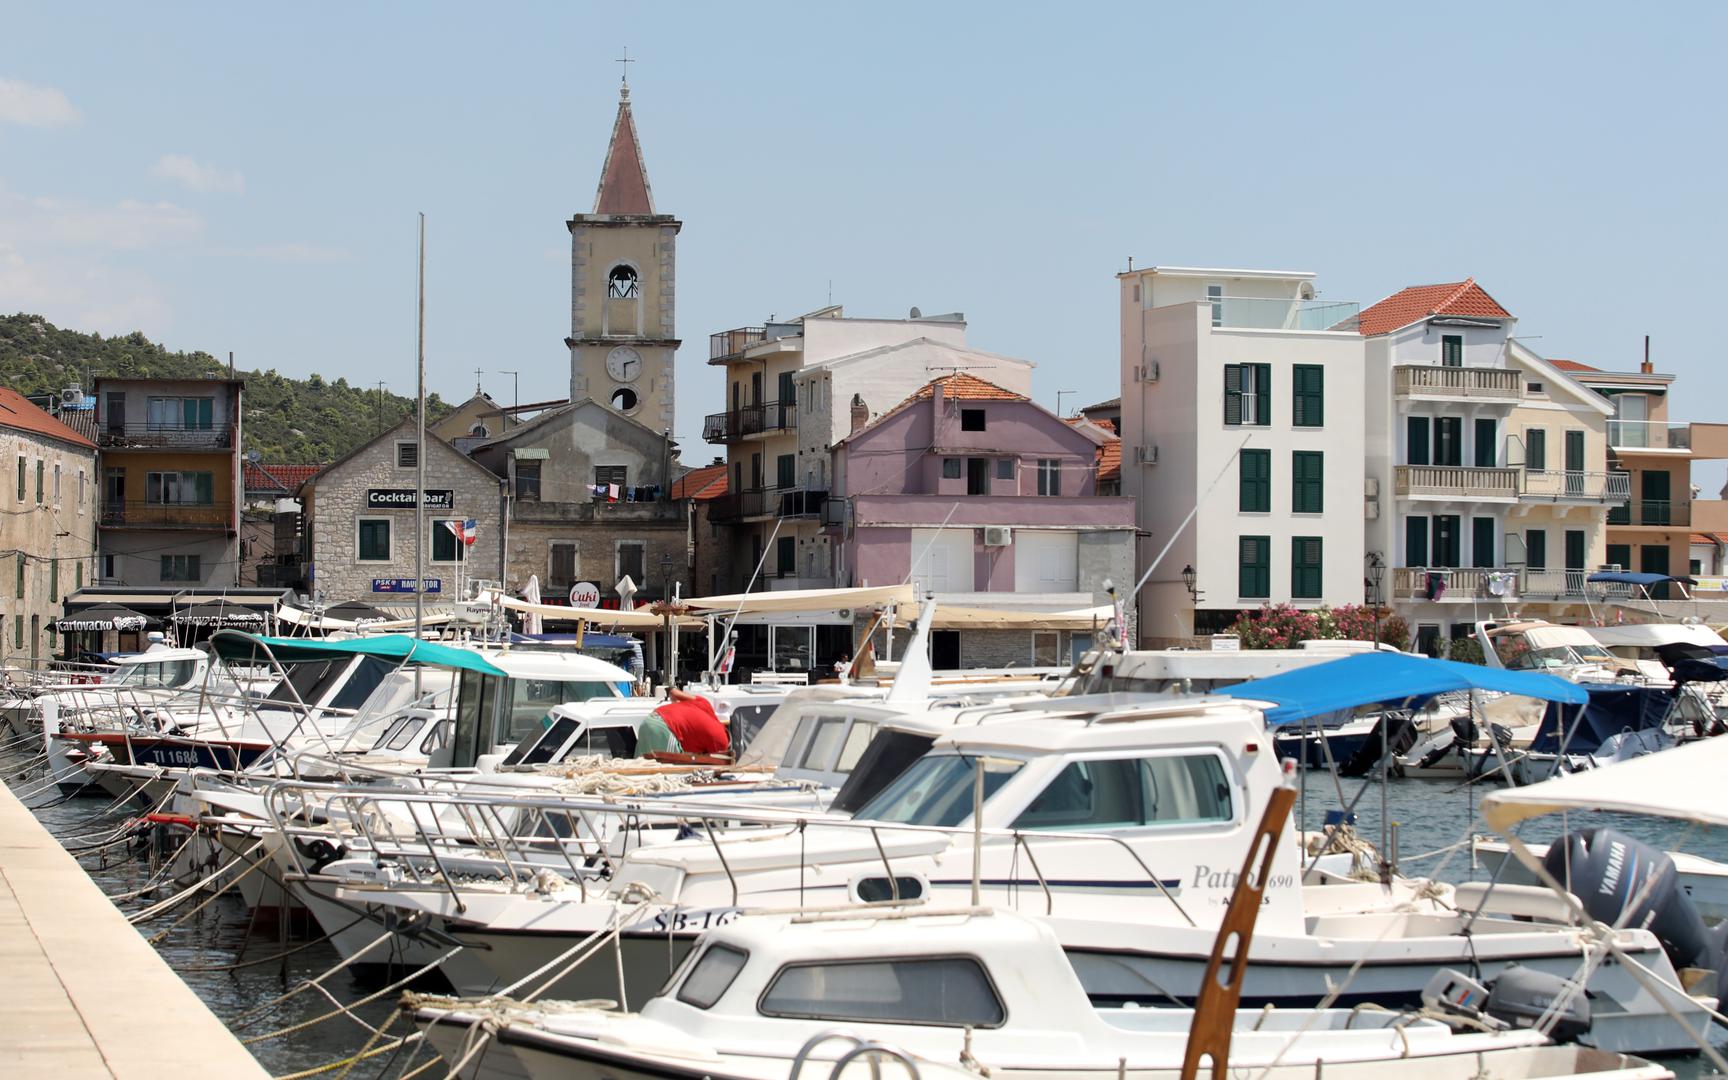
[(48, 514), (645, 539), (336, 503)]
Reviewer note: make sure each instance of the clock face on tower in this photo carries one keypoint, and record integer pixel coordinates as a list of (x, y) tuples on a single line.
[(624, 363)]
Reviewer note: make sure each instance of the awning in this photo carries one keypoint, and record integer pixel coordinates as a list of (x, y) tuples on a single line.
[(99, 617), (352, 615), (804, 600), (237, 645), (218, 612), (1683, 783), (1626, 577), (1652, 635), (531, 453), (639, 619), (1389, 679), (978, 618), (149, 600)]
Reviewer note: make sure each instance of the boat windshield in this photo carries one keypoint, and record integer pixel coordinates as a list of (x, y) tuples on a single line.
[(155, 674), (1517, 655), (935, 790)]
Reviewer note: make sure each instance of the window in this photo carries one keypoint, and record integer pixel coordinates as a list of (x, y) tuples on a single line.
[(1307, 395), (1254, 567), (624, 399), (1416, 440), (1575, 549), (1619, 555), (1305, 561), (56, 483), (1255, 486), (1482, 543), (971, 419), (1536, 549), (1046, 648), (38, 481), (1308, 482), (937, 991), (179, 488), (407, 455), (1452, 350), (180, 568), (1005, 468), (786, 471), (77, 575), (633, 561), (951, 468), (607, 475), (1416, 540), (1129, 792), (1049, 476), (1215, 297), (446, 546), (180, 413), (528, 480), (21, 558), (1248, 394), (561, 571), (374, 540), (53, 581), (1536, 449), (934, 790), (20, 477), (1446, 539), (82, 478), (1449, 440), (622, 283), (711, 975), (786, 556), (977, 476), (1487, 442), (108, 568)]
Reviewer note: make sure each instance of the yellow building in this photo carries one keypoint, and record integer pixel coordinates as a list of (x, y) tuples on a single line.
[(47, 525)]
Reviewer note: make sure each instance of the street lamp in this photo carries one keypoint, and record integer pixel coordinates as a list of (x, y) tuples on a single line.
[(1188, 580), (1376, 574)]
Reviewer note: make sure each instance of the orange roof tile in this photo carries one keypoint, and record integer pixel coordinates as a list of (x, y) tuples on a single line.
[(966, 388), (1110, 461), (17, 412), (1572, 365), (1464, 298), (287, 477), (708, 482), (1706, 538)]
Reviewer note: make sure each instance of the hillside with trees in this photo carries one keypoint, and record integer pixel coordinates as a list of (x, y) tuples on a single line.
[(287, 420)]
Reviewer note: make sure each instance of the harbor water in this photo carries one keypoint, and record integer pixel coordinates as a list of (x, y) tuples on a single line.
[(237, 967)]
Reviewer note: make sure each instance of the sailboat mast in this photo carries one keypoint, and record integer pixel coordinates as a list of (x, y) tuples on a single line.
[(420, 454)]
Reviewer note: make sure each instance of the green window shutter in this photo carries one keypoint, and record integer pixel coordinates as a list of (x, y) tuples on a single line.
[(38, 481), (54, 581), (1575, 553), (1536, 549), (1416, 540), (1620, 555), (1482, 543), (20, 479), (1487, 438), (1449, 440), (1536, 450), (1254, 567), (78, 575), (20, 575), (1305, 560), (1308, 395), (1232, 409), (1416, 440), (1308, 482), (1255, 467), (1263, 394)]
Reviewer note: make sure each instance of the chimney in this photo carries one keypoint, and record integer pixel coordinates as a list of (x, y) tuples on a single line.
[(936, 398), (1646, 367), (860, 412)]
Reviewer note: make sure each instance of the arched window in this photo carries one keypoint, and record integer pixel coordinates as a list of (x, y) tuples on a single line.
[(624, 399), (479, 430), (621, 283)]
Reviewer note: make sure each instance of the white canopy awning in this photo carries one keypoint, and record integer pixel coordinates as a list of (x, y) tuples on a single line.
[(640, 619), (1680, 783), (979, 618), (1650, 635), (791, 600)]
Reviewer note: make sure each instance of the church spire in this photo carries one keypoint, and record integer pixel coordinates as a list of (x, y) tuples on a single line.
[(624, 179)]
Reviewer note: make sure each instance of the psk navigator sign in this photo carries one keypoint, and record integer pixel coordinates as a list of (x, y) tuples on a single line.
[(405, 584), (403, 498)]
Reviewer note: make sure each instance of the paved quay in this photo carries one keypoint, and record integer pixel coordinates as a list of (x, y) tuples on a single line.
[(86, 996)]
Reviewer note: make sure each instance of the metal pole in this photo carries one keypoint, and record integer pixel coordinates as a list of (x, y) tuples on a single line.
[(420, 462)]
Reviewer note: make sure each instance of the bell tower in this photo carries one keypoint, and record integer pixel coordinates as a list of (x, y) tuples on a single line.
[(623, 273)]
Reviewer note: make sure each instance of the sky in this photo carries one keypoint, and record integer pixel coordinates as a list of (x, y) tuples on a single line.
[(231, 178)]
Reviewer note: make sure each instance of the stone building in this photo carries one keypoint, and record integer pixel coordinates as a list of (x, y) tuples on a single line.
[(589, 501), (47, 527), (697, 493), (359, 521)]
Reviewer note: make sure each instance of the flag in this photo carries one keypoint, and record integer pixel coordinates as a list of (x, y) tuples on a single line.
[(466, 531), (726, 658)]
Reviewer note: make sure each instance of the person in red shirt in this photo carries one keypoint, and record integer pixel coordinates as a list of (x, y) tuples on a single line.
[(694, 723)]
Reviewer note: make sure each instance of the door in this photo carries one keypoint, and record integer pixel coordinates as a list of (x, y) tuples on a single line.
[(1628, 427), (1449, 440), (1446, 539), (945, 650), (1655, 507), (1487, 442), (1574, 463), (788, 398), (116, 412), (1653, 559), (977, 476)]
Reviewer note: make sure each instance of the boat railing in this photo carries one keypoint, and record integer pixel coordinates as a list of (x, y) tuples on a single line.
[(420, 832)]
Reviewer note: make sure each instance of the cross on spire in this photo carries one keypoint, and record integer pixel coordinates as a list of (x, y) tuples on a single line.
[(624, 72), (477, 373)]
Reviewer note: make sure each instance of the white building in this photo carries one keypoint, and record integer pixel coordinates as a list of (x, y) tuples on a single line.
[(1242, 403)]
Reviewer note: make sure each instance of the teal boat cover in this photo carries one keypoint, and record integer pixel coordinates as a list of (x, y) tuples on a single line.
[(238, 645), (1393, 680)]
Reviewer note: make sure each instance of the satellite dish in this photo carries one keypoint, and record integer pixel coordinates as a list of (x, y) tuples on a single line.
[(254, 456), (916, 314)]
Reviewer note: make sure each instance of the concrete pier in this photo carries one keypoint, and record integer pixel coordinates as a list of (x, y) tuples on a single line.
[(83, 994)]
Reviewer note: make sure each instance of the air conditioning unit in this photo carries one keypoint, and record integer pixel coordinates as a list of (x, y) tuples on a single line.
[(1147, 372), (998, 536), (72, 395), (1371, 509), (1371, 487), (1146, 455)]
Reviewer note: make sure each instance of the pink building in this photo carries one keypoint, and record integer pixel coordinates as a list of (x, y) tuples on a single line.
[(985, 499)]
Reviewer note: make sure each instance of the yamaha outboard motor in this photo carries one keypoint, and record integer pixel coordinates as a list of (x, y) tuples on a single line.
[(1609, 871), (1521, 996)]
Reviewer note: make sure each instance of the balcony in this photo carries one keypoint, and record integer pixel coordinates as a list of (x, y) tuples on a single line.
[(791, 502), (1454, 583), (752, 421), (1556, 585), (1541, 485), (1455, 482), (1648, 435), (114, 436), (1655, 513), (1273, 313), (803, 502), (730, 344), (1425, 382), (146, 515)]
